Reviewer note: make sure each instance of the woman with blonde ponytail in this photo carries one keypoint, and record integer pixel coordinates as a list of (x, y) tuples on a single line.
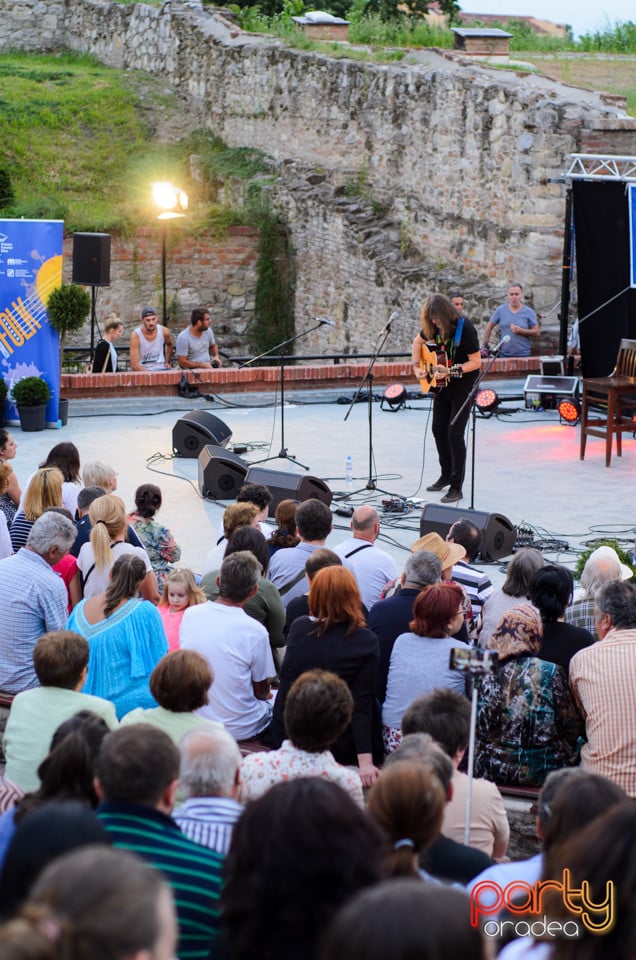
[(109, 523)]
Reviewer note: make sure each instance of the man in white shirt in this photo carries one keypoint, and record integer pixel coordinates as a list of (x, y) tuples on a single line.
[(237, 648), (150, 343), (372, 567)]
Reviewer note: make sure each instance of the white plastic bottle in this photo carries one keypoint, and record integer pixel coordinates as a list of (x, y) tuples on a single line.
[(349, 472)]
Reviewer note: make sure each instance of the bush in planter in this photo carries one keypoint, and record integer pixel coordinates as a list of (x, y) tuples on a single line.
[(31, 392), (67, 308)]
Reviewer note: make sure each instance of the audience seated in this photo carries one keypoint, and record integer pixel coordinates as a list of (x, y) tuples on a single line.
[(125, 636), (180, 683), (209, 780), (298, 853), (10, 499), (550, 592), (60, 660), (391, 617), (602, 566), (265, 606), (94, 902), (372, 567), (43, 490), (335, 638), (420, 659), (514, 591), (180, 591), (83, 523), (237, 515), (34, 599), (527, 721), (299, 606), (445, 715), (318, 709), (237, 649), (473, 580), (157, 540), (6, 548), (137, 773), (287, 567), (444, 859), (284, 535)]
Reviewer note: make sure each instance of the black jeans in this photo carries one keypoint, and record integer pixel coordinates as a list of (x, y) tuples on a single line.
[(450, 442)]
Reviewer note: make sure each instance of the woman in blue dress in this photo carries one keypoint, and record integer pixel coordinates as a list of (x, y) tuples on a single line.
[(125, 636)]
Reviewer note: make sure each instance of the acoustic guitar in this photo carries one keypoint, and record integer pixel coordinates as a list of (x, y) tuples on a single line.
[(430, 365)]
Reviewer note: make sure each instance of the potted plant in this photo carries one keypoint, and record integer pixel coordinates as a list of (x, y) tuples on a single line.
[(31, 395), (67, 308)]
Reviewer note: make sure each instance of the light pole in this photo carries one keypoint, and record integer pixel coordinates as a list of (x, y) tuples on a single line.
[(173, 202)]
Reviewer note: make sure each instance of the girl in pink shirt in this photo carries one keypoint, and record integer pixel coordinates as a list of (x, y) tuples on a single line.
[(180, 591)]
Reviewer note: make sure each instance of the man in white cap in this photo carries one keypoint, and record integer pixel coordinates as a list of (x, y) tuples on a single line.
[(150, 344), (602, 566)]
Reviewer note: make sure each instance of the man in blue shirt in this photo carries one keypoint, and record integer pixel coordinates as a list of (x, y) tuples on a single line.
[(516, 321)]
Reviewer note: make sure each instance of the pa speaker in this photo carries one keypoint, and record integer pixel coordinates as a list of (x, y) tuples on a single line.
[(221, 473), (91, 259), (498, 536), (289, 486), (193, 430)]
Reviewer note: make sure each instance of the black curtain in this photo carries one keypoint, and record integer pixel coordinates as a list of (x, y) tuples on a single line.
[(601, 230)]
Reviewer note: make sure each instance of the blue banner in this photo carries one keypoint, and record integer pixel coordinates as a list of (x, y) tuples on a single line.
[(30, 268), (631, 193)]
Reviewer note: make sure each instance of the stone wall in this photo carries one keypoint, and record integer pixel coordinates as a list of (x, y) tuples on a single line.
[(457, 161), (201, 271)]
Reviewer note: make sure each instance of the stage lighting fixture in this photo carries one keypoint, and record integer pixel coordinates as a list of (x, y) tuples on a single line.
[(395, 397), (487, 402), (569, 412)]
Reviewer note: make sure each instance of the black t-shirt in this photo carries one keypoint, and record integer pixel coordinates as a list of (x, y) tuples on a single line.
[(561, 641)]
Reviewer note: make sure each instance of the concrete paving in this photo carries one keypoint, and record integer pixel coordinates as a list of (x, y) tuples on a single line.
[(527, 465)]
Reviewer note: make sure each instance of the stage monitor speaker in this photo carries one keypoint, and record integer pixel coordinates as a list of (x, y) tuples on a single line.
[(498, 536), (221, 473), (91, 259), (289, 486), (193, 430)]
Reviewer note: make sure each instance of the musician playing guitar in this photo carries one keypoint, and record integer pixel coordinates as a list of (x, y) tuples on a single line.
[(446, 358)]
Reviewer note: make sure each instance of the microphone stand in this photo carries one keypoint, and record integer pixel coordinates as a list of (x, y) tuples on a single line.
[(371, 483), (283, 453), (485, 368)]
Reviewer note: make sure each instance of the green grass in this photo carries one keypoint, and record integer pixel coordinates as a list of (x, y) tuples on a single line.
[(76, 145)]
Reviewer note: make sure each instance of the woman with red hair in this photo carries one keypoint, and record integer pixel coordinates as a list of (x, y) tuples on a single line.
[(420, 659), (335, 637)]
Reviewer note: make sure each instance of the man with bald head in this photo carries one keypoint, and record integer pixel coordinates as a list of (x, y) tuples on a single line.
[(372, 567)]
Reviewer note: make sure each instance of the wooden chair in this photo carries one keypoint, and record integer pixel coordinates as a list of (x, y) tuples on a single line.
[(616, 397)]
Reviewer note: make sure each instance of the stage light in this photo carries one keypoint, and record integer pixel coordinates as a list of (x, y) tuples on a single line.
[(487, 402), (395, 397), (173, 202), (569, 411)]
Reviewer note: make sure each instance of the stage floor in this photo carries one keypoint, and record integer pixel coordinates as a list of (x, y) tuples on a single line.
[(527, 466)]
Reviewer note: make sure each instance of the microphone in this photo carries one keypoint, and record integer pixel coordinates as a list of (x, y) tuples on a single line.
[(394, 316), (501, 343), (326, 321)]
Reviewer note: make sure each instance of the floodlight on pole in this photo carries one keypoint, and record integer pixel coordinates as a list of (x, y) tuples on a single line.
[(173, 202)]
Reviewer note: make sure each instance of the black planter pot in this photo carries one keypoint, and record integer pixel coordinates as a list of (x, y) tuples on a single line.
[(62, 410), (32, 418)]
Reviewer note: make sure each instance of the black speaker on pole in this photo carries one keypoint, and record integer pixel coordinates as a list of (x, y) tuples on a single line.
[(289, 486), (91, 259), (498, 536), (193, 430), (221, 473)]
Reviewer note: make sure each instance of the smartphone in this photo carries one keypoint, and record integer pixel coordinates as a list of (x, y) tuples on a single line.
[(474, 660)]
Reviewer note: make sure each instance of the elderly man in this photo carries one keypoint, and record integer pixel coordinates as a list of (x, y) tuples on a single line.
[(603, 682), (150, 343), (34, 599), (196, 346), (602, 566), (516, 321), (209, 779), (372, 567)]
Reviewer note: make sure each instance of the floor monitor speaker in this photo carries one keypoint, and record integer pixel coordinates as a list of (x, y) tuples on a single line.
[(498, 536), (193, 430), (221, 473), (91, 259), (289, 486)]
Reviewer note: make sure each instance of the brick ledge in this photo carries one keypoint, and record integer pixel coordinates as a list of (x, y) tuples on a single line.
[(259, 379)]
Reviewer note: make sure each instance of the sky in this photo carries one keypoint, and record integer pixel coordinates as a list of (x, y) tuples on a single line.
[(583, 17)]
